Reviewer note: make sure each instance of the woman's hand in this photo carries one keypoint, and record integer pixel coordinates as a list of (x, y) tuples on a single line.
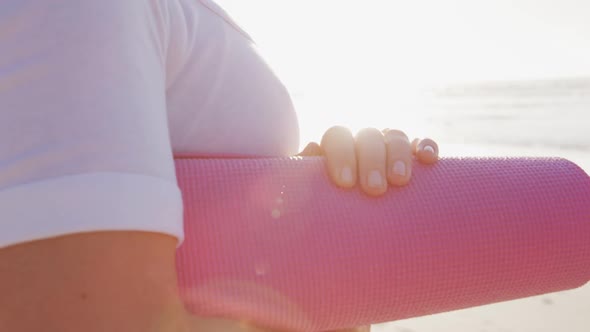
[(374, 158)]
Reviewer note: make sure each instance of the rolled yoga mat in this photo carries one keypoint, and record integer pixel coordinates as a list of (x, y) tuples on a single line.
[(274, 242)]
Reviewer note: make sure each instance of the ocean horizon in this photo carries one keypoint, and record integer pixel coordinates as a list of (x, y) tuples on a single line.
[(511, 118)]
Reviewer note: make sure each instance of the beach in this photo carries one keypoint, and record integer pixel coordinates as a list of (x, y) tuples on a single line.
[(524, 118)]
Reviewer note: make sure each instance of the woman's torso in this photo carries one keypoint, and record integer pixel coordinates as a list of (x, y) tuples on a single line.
[(222, 98), (96, 96)]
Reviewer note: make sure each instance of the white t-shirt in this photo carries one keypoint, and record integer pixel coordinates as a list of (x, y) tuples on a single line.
[(97, 96)]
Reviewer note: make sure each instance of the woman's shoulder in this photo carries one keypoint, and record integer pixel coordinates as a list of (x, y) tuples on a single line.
[(216, 9)]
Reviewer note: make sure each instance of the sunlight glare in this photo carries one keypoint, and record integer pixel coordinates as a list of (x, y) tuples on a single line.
[(367, 64)]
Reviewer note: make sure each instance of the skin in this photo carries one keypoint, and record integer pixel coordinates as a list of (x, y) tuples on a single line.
[(126, 281), (371, 151)]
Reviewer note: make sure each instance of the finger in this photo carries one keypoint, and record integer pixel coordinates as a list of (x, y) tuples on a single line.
[(399, 158), (338, 147), (371, 158), (426, 150), (394, 132), (312, 149), (415, 145)]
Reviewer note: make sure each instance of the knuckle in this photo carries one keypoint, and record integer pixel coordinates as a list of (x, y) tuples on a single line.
[(337, 130), (336, 133), (396, 134), (369, 134), (370, 145)]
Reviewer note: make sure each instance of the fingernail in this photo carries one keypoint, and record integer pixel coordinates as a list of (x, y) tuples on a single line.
[(346, 175), (429, 148), (375, 179), (399, 168)]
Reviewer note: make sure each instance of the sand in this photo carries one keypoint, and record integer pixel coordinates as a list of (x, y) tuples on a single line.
[(564, 311)]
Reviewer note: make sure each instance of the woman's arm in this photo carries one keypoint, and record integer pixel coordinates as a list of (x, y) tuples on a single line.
[(105, 281), (84, 147)]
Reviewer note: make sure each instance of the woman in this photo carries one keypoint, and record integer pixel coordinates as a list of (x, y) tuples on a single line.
[(96, 97)]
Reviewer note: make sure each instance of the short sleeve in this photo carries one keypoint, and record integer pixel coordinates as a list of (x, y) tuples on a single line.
[(84, 142)]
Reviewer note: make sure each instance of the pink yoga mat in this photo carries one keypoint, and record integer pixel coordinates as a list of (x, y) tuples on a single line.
[(273, 242)]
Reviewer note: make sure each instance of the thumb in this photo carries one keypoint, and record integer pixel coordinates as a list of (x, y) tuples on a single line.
[(312, 149)]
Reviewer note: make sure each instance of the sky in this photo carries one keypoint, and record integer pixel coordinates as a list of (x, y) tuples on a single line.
[(340, 56), (435, 40)]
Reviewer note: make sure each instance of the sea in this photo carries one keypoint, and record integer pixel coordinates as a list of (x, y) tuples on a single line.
[(514, 118), (511, 118)]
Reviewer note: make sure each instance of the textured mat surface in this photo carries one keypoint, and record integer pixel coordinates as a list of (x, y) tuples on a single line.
[(274, 242)]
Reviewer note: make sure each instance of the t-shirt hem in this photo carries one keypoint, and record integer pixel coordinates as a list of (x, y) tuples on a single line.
[(90, 202)]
